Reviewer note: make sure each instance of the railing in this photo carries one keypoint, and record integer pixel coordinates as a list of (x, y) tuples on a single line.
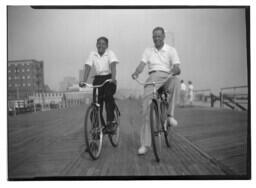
[(204, 95), (234, 97)]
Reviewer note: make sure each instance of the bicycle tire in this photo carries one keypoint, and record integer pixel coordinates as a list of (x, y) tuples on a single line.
[(155, 130), (93, 132), (114, 138), (166, 128)]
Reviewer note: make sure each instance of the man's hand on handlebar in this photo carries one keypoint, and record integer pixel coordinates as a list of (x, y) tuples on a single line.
[(135, 76), (82, 84)]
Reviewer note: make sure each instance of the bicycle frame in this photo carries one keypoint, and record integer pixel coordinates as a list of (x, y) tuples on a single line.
[(97, 89), (155, 98)]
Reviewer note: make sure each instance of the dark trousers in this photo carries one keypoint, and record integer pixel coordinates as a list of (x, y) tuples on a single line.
[(105, 94)]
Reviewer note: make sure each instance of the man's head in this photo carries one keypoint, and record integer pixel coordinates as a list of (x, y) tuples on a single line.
[(158, 37), (181, 81), (102, 45)]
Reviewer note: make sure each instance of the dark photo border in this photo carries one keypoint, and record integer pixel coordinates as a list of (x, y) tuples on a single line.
[(186, 177)]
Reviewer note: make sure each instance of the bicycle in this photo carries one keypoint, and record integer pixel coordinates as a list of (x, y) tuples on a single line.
[(158, 117), (94, 125)]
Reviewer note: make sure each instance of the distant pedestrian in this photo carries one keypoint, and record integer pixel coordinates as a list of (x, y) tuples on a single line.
[(190, 93), (183, 91)]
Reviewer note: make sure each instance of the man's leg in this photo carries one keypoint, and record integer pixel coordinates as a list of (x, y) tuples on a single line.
[(173, 86), (145, 135)]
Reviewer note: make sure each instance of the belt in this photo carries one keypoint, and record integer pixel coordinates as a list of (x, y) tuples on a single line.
[(157, 71)]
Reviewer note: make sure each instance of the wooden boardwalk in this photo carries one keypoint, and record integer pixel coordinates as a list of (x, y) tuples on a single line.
[(51, 144)]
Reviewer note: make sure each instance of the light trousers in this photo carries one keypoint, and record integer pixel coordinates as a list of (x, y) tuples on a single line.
[(172, 85)]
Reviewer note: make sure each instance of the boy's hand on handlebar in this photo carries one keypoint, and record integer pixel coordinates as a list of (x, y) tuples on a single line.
[(113, 81)]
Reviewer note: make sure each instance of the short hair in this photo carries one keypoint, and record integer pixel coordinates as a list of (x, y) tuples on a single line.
[(103, 38), (159, 28)]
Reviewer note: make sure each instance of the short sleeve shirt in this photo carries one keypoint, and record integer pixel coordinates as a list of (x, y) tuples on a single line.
[(101, 63), (190, 89), (183, 87), (160, 60)]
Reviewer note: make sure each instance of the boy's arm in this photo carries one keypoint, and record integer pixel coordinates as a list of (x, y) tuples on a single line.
[(87, 70)]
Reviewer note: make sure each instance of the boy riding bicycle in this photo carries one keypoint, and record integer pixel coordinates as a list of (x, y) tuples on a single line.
[(162, 61), (104, 61)]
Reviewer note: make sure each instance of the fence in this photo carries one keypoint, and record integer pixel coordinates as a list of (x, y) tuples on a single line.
[(235, 97)]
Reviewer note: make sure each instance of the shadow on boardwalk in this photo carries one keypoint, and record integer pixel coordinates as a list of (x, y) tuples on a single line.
[(208, 142)]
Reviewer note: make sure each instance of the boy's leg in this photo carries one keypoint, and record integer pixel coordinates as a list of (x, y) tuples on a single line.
[(109, 91)]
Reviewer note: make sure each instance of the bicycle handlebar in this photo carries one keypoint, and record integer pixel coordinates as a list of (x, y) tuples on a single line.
[(96, 86)]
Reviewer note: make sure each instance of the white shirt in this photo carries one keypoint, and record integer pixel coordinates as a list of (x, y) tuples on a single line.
[(160, 60), (183, 87), (190, 89), (102, 63)]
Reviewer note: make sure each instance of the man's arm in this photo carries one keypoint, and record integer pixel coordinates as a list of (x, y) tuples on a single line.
[(113, 71), (175, 70), (138, 70)]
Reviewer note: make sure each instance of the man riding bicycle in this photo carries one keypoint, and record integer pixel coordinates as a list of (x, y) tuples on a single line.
[(104, 61), (162, 61)]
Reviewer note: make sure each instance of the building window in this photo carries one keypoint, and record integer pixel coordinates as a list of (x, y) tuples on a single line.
[(24, 84), (28, 77), (29, 84), (16, 85), (28, 70), (10, 85), (18, 70), (9, 71), (23, 70), (9, 78), (23, 77)]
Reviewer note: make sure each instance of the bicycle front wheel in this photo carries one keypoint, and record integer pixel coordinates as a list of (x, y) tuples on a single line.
[(155, 130), (93, 132)]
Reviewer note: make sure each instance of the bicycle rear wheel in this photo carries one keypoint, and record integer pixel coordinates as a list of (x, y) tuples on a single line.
[(166, 128), (155, 130), (114, 137), (93, 132)]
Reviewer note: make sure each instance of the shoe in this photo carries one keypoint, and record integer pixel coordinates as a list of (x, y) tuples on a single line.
[(111, 127), (172, 122), (142, 150)]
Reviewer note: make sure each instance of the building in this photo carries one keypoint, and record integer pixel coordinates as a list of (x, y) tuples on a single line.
[(24, 78)]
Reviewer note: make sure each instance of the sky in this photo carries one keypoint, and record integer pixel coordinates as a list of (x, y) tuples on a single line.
[(211, 43)]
